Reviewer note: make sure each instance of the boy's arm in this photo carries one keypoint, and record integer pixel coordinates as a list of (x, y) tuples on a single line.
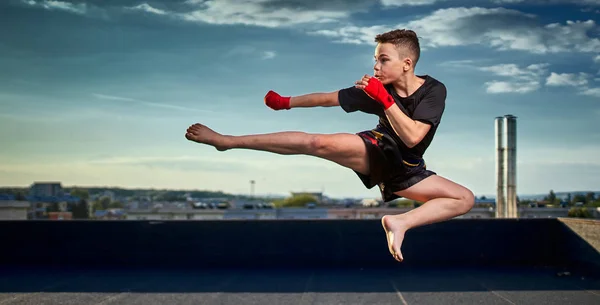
[(410, 130), (350, 99), (329, 99), (278, 102)]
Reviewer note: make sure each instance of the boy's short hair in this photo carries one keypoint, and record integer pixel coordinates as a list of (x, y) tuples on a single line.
[(402, 38)]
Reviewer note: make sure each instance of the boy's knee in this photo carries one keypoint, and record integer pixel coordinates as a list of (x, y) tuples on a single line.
[(319, 144), (467, 200)]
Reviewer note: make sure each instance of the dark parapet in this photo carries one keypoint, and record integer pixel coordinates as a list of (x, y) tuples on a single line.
[(289, 243)]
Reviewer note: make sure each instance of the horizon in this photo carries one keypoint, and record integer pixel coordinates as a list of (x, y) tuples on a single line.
[(101, 92), (87, 187)]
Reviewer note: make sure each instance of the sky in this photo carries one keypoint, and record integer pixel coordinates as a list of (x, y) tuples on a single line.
[(100, 93)]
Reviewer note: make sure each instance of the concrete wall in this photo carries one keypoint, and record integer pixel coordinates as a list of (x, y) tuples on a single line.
[(13, 210), (13, 213), (326, 213), (289, 243), (583, 240), (290, 213)]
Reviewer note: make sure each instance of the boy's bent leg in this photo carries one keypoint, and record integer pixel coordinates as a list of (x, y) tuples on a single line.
[(442, 200), (345, 149)]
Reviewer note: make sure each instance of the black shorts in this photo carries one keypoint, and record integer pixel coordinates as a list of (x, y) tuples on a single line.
[(388, 168)]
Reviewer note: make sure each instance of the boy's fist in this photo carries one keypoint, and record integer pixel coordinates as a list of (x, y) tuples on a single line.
[(375, 89), (276, 101)]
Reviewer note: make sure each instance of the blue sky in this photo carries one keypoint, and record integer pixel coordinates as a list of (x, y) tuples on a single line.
[(100, 93)]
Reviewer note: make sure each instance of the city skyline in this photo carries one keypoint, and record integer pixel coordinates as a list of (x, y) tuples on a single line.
[(100, 93)]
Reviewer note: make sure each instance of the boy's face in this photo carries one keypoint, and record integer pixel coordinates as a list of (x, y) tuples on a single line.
[(389, 65)]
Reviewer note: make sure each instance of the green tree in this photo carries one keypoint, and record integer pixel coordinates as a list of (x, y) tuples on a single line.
[(101, 204), (115, 205), (104, 202), (401, 203), (590, 197), (524, 202), (595, 204), (295, 201), (408, 203), (80, 209), (97, 206), (551, 198), (579, 198), (80, 193), (579, 212)]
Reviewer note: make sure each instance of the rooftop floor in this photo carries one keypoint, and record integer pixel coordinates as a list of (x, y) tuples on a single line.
[(401, 285), (494, 261)]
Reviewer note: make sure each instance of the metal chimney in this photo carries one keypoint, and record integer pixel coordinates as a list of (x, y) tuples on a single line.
[(506, 166), (500, 199), (510, 157)]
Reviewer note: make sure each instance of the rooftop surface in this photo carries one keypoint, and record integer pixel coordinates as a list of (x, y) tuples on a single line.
[(502, 261), (489, 285)]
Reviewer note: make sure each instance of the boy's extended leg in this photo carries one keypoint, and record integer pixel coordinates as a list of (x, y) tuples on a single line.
[(344, 149), (443, 200)]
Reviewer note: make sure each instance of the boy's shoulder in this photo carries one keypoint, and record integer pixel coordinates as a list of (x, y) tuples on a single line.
[(432, 83), (432, 88)]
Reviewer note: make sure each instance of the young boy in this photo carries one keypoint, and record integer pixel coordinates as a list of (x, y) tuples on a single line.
[(390, 156)]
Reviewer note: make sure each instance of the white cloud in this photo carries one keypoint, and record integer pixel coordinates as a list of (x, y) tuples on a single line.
[(265, 13), (567, 79), (579, 80), (147, 8), (590, 10), (506, 1), (408, 2), (250, 13), (498, 28), (145, 103), (503, 29), (585, 2), (268, 54), (459, 63), (520, 80), (595, 92), (248, 51), (548, 2), (597, 59), (112, 97), (79, 8), (511, 86), (512, 70), (529, 78), (353, 34)]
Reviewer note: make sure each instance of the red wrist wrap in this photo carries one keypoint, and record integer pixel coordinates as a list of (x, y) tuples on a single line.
[(276, 101), (376, 91)]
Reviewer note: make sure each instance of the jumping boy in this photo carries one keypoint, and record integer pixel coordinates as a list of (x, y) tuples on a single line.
[(409, 108)]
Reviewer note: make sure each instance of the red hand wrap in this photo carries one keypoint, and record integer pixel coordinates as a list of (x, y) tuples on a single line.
[(276, 101), (376, 91)]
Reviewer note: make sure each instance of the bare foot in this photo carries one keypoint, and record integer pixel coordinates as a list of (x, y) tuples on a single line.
[(204, 135), (394, 232)]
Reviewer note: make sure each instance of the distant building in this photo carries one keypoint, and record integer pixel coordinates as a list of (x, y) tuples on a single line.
[(479, 202), (8, 197), (46, 189), (13, 210), (60, 215), (110, 214)]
